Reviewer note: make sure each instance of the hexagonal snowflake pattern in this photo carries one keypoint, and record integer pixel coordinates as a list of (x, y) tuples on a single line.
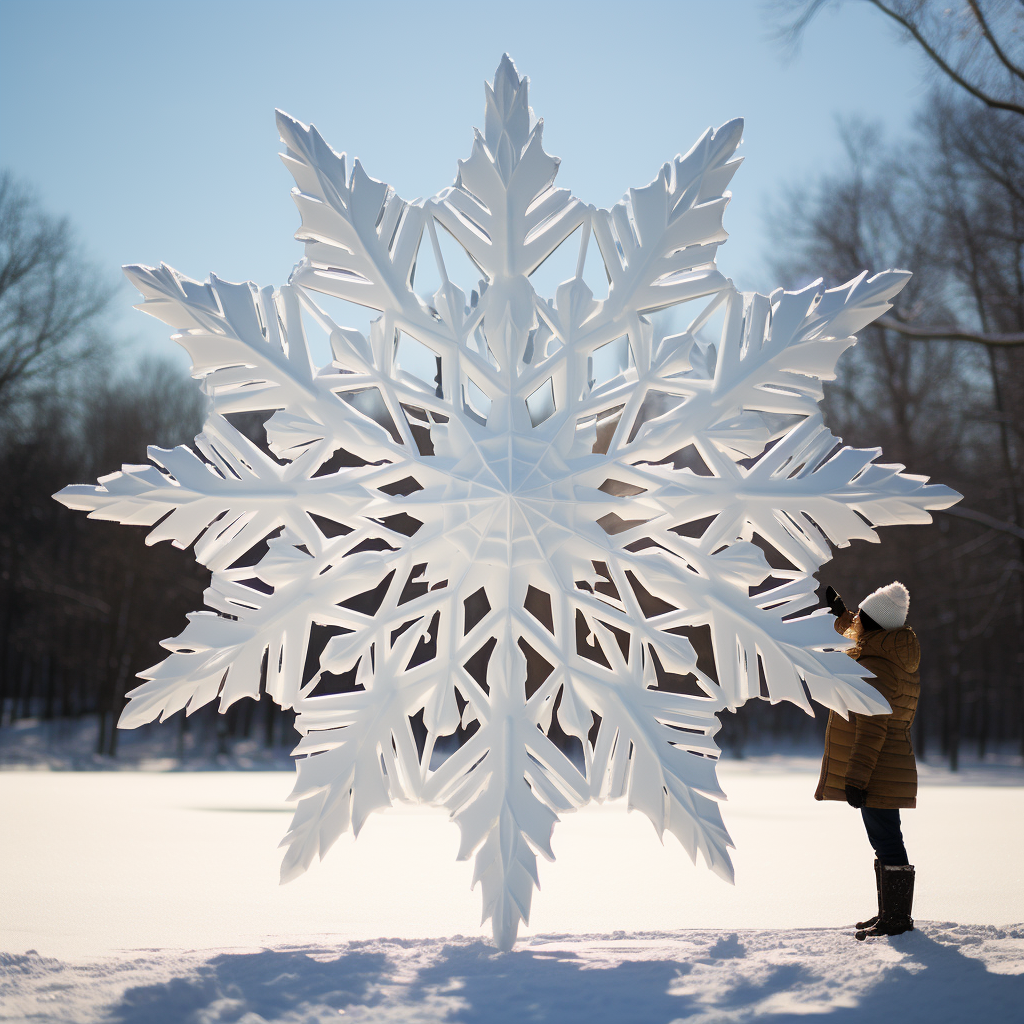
[(507, 551)]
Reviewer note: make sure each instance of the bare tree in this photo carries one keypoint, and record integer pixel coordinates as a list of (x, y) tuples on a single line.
[(974, 44), (51, 299), (82, 606), (947, 408), (975, 49), (966, 180)]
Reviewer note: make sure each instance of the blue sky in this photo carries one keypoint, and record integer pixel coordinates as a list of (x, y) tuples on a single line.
[(151, 124)]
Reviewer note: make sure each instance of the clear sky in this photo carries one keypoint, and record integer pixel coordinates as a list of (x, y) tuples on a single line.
[(151, 124)]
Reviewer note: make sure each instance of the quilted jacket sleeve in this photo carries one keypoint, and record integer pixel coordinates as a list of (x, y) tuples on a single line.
[(870, 729), (844, 622)]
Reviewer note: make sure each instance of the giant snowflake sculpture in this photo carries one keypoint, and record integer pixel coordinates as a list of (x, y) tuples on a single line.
[(542, 571)]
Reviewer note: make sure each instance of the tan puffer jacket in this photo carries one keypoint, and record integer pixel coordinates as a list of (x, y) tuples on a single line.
[(874, 752)]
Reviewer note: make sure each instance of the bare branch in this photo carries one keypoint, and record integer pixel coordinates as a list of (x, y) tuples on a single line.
[(986, 31), (943, 65), (51, 299), (986, 520), (950, 333), (913, 18)]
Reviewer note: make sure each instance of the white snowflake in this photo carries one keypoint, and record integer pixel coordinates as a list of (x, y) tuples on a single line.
[(520, 549)]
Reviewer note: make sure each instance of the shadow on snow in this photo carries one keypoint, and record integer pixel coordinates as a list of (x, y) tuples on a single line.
[(466, 982)]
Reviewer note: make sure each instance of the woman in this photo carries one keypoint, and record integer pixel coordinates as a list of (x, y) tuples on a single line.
[(869, 760)]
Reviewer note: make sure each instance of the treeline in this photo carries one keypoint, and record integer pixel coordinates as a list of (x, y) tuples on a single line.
[(84, 603), (938, 385)]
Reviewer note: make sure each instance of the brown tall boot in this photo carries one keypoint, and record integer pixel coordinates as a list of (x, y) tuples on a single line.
[(897, 902)]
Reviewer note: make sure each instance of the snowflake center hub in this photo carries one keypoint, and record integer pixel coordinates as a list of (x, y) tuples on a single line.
[(517, 497)]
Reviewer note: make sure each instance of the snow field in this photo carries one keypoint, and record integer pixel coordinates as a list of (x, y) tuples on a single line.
[(938, 974), (154, 897)]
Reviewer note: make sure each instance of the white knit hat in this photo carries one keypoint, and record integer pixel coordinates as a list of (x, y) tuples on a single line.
[(888, 606)]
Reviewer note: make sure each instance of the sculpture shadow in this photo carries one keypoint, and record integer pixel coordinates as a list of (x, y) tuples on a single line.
[(469, 983), (269, 985), (528, 985), (934, 982)]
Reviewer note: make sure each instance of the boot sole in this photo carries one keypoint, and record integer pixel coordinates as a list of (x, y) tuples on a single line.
[(862, 935)]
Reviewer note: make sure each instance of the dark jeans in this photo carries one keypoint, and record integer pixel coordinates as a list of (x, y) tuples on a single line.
[(883, 825)]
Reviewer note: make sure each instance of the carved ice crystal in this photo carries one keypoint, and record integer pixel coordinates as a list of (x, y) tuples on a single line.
[(515, 515)]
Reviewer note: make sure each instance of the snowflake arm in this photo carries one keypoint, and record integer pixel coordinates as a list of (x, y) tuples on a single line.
[(803, 494), (659, 243), (360, 753), (504, 209), (773, 354), (225, 499)]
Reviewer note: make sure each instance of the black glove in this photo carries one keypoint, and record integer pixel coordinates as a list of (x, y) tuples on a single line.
[(834, 602), (856, 797)]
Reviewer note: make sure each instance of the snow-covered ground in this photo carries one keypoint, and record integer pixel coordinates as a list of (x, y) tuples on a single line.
[(153, 898)]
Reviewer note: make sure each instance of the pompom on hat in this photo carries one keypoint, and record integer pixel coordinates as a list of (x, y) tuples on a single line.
[(888, 606)]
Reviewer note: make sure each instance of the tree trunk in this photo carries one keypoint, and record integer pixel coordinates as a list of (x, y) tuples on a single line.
[(124, 648)]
